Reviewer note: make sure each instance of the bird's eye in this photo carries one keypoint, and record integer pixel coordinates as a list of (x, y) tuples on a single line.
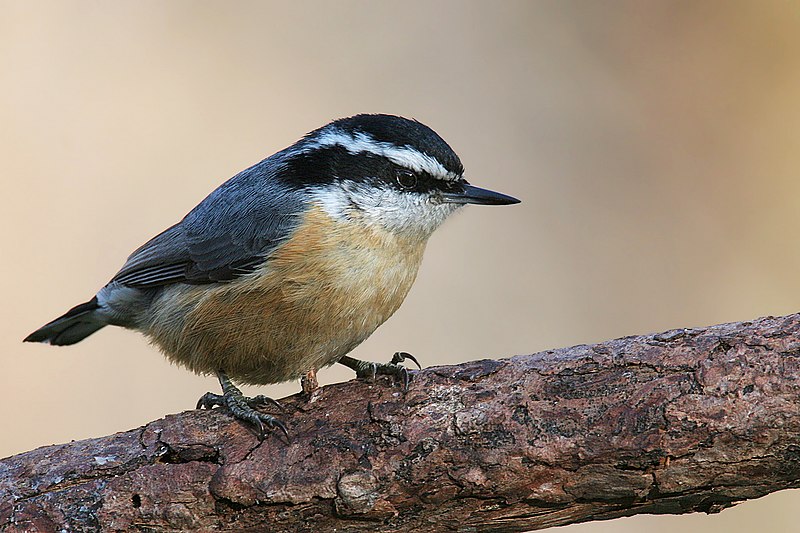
[(406, 179)]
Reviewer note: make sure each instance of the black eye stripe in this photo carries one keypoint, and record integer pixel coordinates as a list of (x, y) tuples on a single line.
[(422, 182), (334, 163), (325, 166)]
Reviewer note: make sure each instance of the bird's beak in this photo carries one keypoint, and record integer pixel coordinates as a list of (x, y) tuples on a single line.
[(475, 195)]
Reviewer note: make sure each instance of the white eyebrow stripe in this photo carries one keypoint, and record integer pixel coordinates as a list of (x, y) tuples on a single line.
[(404, 156)]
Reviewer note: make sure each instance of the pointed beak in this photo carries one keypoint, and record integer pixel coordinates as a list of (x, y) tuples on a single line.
[(475, 195)]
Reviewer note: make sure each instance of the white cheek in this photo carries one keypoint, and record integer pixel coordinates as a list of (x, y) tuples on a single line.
[(408, 213), (396, 211), (333, 201)]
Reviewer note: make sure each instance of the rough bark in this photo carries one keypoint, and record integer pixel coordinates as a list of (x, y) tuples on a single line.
[(683, 421)]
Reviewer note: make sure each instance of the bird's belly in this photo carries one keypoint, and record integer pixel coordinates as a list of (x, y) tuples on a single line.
[(317, 297)]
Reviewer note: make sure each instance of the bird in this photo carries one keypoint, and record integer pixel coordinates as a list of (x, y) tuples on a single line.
[(289, 265)]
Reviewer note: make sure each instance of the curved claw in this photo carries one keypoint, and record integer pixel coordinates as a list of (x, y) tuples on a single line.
[(259, 419), (370, 372), (242, 407), (260, 431), (209, 400), (263, 401), (399, 357), (281, 426), (406, 378)]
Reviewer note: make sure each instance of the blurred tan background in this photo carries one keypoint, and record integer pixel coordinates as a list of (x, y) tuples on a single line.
[(656, 147)]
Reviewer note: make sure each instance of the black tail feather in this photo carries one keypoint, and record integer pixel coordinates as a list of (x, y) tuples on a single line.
[(73, 326)]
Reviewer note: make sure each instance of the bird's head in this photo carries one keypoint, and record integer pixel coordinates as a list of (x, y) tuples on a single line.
[(385, 171)]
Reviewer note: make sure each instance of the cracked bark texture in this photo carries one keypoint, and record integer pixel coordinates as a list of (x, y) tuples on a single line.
[(683, 421)]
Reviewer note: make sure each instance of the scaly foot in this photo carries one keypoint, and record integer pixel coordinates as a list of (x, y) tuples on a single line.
[(369, 370), (242, 407)]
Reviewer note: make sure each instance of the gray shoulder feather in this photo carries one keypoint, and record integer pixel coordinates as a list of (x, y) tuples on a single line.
[(228, 234)]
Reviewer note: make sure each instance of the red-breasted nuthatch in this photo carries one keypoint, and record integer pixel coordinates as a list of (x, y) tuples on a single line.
[(290, 264)]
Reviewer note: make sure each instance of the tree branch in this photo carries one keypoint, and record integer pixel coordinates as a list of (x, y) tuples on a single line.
[(684, 421)]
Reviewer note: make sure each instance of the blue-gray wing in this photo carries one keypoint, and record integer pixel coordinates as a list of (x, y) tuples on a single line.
[(227, 235)]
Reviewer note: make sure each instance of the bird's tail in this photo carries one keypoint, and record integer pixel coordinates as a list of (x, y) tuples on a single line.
[(74, 326)]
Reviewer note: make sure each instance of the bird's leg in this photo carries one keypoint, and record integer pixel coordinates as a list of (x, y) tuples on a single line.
[(394, 368), (242, 407), (309, 382)]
